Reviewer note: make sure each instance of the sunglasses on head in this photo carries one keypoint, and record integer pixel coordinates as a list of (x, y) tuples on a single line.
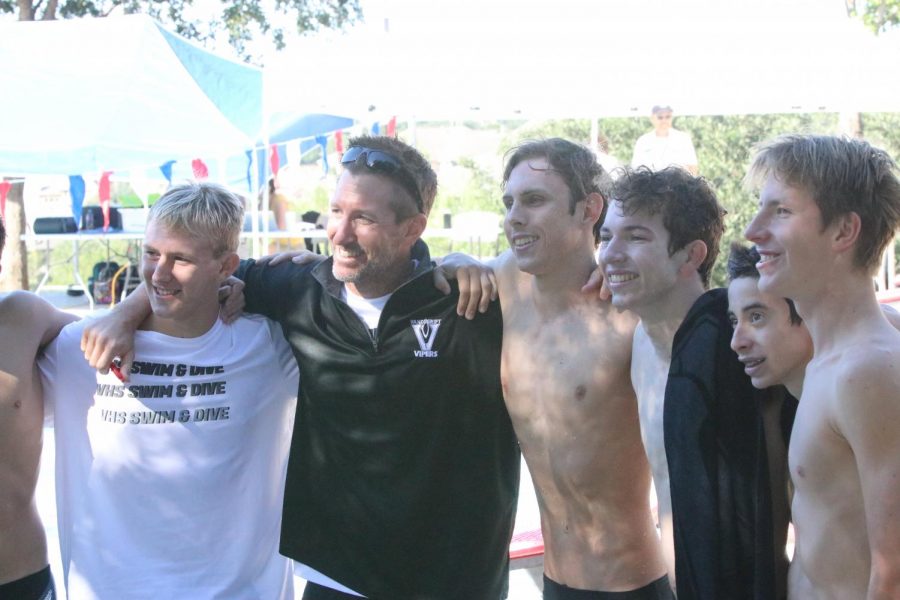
[(383, 162)]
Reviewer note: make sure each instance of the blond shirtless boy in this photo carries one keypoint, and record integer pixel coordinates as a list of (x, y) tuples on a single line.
[(828, 209), (565, 372), (27, 324)]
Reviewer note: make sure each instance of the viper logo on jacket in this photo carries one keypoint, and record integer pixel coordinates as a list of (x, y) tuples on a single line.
[(426, 331)]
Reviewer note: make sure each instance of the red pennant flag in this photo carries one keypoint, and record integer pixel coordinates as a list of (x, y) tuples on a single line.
[(104, 194), (200, 170), (273, 159), (339, 141), (391, 127), (5, 186)]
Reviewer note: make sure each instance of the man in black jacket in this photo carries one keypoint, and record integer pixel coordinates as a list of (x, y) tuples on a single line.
[(403, 474)]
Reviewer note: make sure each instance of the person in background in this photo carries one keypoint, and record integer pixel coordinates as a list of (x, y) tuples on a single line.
[(665, 146)]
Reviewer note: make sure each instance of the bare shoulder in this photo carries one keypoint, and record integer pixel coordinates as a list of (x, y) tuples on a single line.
[(30, 315), (867, 383), (505, 266), (19, 305), (892, 315)]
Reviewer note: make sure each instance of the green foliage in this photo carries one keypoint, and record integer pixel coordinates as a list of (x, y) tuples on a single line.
[(90, 252), (482, 192), (878, 15), (241, 20)]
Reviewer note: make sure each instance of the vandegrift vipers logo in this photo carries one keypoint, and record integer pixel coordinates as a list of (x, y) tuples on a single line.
[(425, 330)]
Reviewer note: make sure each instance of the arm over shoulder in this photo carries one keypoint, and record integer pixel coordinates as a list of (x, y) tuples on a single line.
[(268, 289)]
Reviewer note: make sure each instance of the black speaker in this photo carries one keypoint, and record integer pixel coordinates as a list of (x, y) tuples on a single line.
[(92, 218), (55, 225)]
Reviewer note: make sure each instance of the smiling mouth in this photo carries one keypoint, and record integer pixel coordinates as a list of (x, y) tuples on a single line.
[(621, 277), (523, 241), (752, 363), (164, 292), (765, 258), (342, 252)]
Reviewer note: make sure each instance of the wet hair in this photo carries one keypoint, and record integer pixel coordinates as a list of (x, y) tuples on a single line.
[(203, 210), (688, 205), (742, 264), (574, 163), (842, 175), (414, 164)]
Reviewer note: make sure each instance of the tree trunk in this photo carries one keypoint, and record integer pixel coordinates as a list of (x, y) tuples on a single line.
[(15, 256), (851, 124)]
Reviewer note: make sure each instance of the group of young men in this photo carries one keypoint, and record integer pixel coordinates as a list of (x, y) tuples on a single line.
[(401, 476)]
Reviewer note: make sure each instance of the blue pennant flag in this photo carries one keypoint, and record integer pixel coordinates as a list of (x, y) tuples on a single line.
[(76, 190), (166, 169), (323, 142)]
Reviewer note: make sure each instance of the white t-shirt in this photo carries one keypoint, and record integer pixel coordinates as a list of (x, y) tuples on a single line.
[(659, 152), (367, 309), (171, 487)]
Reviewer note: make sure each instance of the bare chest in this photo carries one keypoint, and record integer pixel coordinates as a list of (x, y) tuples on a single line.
[(821, 461), (566, 370)]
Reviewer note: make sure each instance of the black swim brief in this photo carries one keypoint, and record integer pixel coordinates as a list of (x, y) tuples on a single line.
[(656, 590), (37, 586)]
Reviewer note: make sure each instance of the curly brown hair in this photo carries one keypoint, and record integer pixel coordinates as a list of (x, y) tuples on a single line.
[(688, 205)]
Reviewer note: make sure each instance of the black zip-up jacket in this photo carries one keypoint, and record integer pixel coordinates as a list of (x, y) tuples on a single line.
[(404, 468), (718, 469)]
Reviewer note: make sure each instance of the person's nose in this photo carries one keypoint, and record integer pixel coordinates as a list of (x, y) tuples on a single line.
[(755, 230), (342, 233), (515, 216), (162, 271), (740, 341), (611, 251)]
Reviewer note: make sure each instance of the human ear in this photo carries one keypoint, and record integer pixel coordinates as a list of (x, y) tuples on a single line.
[(229, 265), (415, 225), (846, 231), (593, 207), (696, 253)]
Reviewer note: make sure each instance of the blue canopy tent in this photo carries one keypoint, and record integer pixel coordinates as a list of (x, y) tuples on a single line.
[(113, 94)]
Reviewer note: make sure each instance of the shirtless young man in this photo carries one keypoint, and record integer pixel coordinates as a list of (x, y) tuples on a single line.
[(828, 208), (27, 324), (565, 367), (700, 419)]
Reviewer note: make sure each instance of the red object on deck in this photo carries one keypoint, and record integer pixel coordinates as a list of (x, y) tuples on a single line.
[(526, 544)]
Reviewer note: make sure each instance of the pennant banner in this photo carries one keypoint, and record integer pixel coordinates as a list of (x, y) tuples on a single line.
[(76, 191), (5, 186), (322, 141), (166, 169), (104, 194), (199, 168), (339, 142), (391, 127), (274, 159)]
